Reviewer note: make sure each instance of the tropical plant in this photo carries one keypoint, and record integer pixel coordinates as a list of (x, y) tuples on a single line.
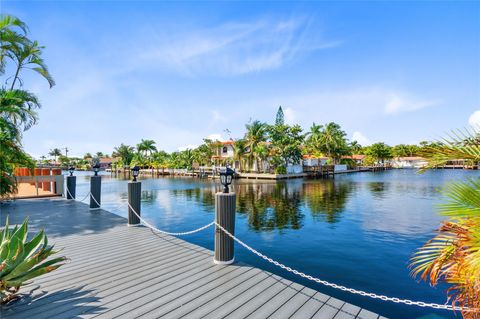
[(55, 152), (453, 255), (9, 35), (255, 135), (285, 144), (147, 147), (22, 260), (18, 107), (239, 151), (27, 55), (125, 152), (333, 142), (380, 152)]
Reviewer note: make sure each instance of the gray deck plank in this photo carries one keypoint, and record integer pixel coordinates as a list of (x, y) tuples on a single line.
[(268, 308), (296, 302), (246, 288), (259, 300), (130, 272), (309, 308)]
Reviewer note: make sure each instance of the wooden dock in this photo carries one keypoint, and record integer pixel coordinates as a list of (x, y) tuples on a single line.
[(116, 271)]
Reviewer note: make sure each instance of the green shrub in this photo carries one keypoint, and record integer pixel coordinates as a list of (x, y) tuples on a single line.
[(280, 170), (22, 260)]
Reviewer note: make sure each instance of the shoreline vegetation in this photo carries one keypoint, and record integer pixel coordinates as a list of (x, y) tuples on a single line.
[(277, 149)]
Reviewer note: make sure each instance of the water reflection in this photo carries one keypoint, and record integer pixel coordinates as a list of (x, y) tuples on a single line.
[(326, 199), (271, 206)]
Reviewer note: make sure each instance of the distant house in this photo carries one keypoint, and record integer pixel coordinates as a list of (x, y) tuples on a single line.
[(408, 162), (312, 160), (105, 162), (357, 158)]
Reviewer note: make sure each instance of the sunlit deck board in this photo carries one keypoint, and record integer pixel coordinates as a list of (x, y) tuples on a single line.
[(131, 272)]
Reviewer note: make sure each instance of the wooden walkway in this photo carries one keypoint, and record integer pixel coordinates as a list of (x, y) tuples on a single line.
[(117, 271)]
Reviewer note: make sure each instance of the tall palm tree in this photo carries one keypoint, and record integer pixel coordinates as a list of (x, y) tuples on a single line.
[(256, 134), (239, 151), (147, 147), (125, 152), (55, 152), (27, 55), (314, 138), (9, 27), (453, 255)]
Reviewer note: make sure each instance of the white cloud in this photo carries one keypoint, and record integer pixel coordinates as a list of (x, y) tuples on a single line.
[(233, 48), (187, 147), (289, 115), (361, 139), (397, 102), (474, 119)]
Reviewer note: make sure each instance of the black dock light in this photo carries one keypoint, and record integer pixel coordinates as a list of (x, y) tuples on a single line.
[(226, 177), (96, 168), (70, 170), (135, 170)]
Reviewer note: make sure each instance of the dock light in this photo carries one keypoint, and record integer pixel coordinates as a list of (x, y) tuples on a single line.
[(96, 168), (135, 170), (226, 176), (70, 170)]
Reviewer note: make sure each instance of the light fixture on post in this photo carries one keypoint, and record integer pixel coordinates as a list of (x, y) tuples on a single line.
[(135, 171), (96, 168), (71, 169), (226, 177)]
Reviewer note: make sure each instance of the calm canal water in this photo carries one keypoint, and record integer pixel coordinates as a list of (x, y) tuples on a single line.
[(358, 230)]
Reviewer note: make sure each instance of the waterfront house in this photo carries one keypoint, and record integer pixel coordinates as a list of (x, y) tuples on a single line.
[(312, 160), (408, 162), (357, 158)]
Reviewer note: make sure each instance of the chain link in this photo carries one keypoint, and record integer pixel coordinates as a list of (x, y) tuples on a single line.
[(340, 287), (93, 197), (73, 197), (165, 232)]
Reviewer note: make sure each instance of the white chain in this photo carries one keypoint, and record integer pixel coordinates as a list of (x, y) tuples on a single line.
[(165, 232), (340, 287), (93, 197)]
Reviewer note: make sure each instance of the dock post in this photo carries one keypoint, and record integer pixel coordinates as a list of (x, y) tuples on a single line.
[(95, 191), (225, 217), (134, 193), (71, 186)]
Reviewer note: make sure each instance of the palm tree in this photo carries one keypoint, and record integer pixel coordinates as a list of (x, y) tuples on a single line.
[(18, 106), (9, 35), (55, 152), (146, 146), (453, 255), (125, 152), (256, 134), (27, 54), (314, 138), (239, 151)]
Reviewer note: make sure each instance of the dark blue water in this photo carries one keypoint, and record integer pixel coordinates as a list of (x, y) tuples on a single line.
[(358, 230)]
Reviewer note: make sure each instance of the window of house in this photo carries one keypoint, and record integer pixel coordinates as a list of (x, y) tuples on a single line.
[(224, 149)]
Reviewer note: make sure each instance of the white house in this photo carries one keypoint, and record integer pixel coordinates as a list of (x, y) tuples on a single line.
[(408, 162)]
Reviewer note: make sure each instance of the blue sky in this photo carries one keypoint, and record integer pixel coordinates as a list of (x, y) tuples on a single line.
[(176, 72)]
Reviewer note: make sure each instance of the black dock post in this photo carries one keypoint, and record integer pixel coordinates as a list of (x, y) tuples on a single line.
[(134, 192), (71, 186), (225, 217), (95, 191)]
